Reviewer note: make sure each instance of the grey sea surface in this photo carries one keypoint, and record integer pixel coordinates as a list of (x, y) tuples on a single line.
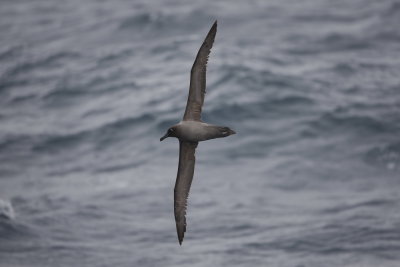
[(312, 177)]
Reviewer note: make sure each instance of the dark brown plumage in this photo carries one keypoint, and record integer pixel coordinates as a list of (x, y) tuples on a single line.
[(192, 130), (182, 186), (194, 104), (198, 78)]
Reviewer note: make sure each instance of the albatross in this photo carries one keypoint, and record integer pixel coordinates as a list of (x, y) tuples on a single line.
[(191, 130)]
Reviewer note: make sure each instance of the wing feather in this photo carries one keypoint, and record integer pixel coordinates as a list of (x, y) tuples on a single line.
[(197, 87), (182, 186)]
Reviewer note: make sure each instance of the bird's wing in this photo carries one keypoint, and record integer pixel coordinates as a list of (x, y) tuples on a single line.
[(198, 78), (182, 185)]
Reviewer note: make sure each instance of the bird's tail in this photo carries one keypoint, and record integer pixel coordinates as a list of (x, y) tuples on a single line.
[(226, 131)]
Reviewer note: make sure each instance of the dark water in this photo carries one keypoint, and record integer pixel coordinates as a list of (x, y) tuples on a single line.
[(312, 87)]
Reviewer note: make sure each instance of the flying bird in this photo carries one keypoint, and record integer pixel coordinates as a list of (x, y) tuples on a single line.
[(191, 130)]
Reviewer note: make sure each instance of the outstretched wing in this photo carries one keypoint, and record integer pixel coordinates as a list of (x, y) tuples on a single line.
[(182, 185), (198, 78)]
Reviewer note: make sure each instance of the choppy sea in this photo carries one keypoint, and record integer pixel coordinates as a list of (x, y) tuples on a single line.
[(312, 177)]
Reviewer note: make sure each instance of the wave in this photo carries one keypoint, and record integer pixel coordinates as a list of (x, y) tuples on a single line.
[(264, 106), (386, 156), (331, 122), (12, 230), (96, 86), (10, 52), (50, 61), (103, 135), (6, 210), (374, 203), (158, 21), (337, 239)]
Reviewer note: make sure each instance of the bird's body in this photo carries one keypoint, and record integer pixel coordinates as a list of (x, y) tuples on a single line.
[(196, 131), (192, 130)]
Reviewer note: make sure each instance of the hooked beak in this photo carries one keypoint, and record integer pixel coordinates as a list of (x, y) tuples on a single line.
[(165, 136)]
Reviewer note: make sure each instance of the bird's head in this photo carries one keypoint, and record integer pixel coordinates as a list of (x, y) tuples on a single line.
[(170, 133)]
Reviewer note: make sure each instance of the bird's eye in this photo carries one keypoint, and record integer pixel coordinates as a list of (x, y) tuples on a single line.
[(170, 130)]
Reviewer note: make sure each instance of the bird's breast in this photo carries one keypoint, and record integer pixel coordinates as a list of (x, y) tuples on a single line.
[(192, 131)]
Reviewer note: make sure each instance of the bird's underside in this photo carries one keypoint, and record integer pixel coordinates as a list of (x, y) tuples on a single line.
[(191, 130), (182, 186), (187, 150)]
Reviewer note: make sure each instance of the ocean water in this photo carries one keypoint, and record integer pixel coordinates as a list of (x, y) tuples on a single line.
[(312, 177)]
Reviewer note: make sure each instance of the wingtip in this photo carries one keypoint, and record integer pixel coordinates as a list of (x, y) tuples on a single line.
[(215, 24), (180, 239)]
